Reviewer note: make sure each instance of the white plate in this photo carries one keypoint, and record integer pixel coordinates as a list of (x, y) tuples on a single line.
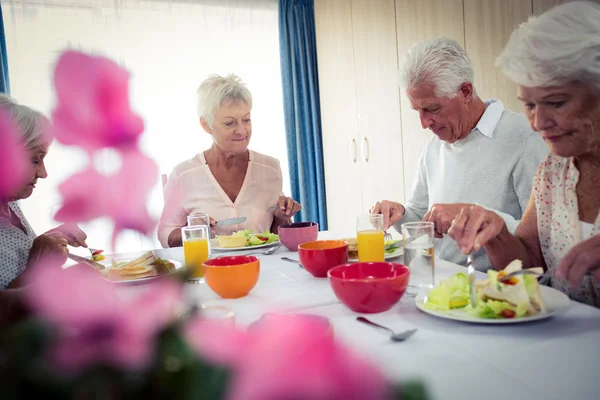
[(214, 245), (397, 253), (178, 267), (556, 302)]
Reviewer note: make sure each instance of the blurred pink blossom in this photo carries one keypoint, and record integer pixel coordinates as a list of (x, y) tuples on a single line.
[(288, 358), (94, 325), (122, 196), (218, 342), (93, 108), (13, 157)]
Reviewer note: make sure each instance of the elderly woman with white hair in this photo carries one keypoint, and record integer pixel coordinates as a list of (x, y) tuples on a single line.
[(228, 180), (555, 60), (19, 245)]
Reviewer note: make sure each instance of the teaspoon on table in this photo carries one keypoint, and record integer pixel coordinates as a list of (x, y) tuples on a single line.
[(395, 337), (292, 261)]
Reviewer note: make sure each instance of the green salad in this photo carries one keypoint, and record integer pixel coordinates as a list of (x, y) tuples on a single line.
[(391, 246), (511, 299), (257, 239)]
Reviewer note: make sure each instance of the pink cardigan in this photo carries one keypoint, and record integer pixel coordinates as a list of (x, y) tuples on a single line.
[(192, 188)]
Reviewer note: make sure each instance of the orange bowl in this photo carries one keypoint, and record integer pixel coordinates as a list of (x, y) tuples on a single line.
[(232, 277), (369, 287), (320, 256)]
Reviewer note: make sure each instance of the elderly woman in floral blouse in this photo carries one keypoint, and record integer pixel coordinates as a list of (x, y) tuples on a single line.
[(554, 59), (19, 245)]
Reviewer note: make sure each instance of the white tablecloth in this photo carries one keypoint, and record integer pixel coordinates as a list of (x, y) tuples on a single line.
[(556, 358)]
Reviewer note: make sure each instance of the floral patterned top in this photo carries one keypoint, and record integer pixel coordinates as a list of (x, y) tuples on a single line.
[(14, 246), (558, 223)]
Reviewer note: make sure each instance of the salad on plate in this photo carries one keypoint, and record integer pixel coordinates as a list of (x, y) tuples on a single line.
[(246, 238), (517, 297)]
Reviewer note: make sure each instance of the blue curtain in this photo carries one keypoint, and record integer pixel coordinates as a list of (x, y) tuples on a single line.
[(298, 51), (4, 84)]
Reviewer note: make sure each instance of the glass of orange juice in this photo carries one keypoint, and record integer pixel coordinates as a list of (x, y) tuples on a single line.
[(196, 249), (369, 229)]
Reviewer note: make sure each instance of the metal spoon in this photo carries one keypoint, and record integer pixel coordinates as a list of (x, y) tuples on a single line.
[(396, 337), (271, 250), (292, 261)]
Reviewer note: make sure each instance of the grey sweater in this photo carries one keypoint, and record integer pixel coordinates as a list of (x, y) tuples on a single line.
[(493, 166)]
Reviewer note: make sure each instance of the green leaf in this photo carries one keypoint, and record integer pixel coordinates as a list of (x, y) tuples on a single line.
[(449, 293), (411, 390), (178, 372)]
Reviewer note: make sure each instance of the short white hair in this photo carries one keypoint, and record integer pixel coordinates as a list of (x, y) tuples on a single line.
[(440, 62), (31, 124), (559, 47), (216, 90)]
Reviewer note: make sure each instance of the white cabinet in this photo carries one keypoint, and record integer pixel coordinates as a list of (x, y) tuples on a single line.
[(360, 106), (417, 21)]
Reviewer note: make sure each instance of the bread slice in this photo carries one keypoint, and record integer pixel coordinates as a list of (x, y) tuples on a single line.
[(145, 259), (352, 247)]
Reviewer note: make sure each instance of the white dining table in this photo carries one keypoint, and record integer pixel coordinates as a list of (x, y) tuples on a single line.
[(556, 358)]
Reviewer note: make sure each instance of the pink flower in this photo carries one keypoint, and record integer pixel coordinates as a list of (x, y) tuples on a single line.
[(13, 157), (122, 196), (129, 192), (220, 343), (94, 325), (93, 103), (288, 358)]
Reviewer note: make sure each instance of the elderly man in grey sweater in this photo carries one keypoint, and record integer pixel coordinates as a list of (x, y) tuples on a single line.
[(481, 153)]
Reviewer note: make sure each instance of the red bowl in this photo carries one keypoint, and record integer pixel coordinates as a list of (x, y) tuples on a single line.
[(320, 256), (291, 235), (369, 287)]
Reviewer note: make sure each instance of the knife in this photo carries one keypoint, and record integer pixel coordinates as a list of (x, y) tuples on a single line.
[(84, 260), (399, 243), (231, 221), (471, 274)]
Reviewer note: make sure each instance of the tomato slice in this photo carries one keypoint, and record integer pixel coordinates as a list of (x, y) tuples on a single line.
[(508, 313), (263, 238), (97, 252)]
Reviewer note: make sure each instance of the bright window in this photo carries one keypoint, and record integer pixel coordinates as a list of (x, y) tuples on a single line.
[(169, 46)]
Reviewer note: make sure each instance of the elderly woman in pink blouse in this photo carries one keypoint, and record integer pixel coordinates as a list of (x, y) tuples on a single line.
[(228, 180), (554, 59)]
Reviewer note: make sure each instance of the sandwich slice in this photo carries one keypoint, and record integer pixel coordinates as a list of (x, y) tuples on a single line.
[(352, 247), (145, 259), (515, 297), (138, 266)]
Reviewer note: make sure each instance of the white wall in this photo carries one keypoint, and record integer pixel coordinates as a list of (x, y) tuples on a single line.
[(169, 47)]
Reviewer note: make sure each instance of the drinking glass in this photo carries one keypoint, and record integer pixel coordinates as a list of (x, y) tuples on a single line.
[(217, 313), (198, 219), (419, 255), (369, 232), (196, 248)]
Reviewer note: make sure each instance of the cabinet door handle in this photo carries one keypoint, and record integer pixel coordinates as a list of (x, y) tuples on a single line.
[(366, 149), (352, 150)]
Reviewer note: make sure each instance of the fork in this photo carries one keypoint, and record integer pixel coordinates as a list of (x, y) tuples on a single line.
[(471, 275), (387, 236), (521, 272), (92, 251)]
